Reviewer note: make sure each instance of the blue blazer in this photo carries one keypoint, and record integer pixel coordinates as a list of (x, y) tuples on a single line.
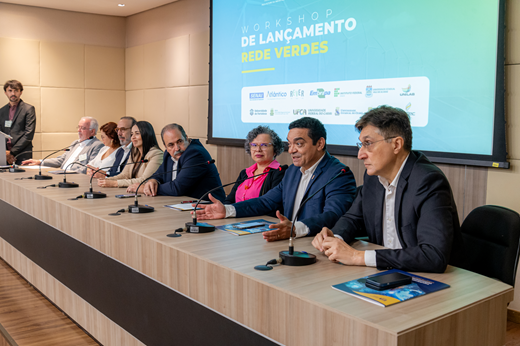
[(194, 181), (426, 218), (323, 210)]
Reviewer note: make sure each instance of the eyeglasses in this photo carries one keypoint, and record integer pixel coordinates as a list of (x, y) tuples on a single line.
[(83, 128), (262, 146), (368, 144), (122, 129)]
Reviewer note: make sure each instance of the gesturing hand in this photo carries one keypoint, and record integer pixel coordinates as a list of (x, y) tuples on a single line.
[(281, 230), (211, 211)]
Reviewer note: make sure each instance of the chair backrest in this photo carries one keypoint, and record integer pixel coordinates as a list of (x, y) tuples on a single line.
[(491, 237)]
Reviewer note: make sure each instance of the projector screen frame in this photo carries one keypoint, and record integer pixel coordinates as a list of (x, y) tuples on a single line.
[(498, 158)]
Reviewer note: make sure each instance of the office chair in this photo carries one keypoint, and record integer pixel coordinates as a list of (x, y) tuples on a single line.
[(491, 237)]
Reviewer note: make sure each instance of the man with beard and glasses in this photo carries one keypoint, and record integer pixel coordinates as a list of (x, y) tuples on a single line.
[(124, 129), (17, 119), (193, 181)]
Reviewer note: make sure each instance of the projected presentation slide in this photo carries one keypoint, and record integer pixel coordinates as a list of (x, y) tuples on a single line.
[(274, 61)]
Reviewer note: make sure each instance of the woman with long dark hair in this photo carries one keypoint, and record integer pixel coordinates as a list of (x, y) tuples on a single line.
[(144, 147)]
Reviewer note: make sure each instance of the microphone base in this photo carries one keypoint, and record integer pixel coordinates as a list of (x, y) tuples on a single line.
[(67, 185), (42, 177), (93, 195), (199, 227), (298, 258), (139, 209), (16, 170)]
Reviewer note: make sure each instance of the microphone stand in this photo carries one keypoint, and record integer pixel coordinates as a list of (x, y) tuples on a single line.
[(98, 194), (300, 258), (64, 183), (46, 177), (14, 167), (136, 208), (193, 227)]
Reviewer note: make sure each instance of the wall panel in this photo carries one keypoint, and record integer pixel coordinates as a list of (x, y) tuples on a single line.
[(105, 105), (134, 68), (177, 67), (61, 109), (32, 95), (154, 106), (199, 111), (20, 60), (62, 64), (199, 55), (104, 68)]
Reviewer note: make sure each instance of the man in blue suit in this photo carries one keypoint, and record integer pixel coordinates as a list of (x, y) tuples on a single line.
[(195, 179), (312, 168)]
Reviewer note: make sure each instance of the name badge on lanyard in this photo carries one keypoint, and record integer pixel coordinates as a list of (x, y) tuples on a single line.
[(8, 123)]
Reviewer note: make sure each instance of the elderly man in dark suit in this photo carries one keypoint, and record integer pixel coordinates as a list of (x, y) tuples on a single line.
[(17, 119), (405, 204)]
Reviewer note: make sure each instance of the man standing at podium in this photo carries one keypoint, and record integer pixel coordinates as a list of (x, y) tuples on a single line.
[(405, 204), (17, 119)]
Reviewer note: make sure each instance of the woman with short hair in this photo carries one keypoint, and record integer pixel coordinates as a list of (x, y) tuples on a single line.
[(264, 145)]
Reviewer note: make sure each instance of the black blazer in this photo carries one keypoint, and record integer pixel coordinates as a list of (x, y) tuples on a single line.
[(426, 218), (273, 178), (22, 129), (191, 181)]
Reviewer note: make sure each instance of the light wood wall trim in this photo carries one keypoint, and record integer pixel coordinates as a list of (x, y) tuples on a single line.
[(5, 338), (513, 316)]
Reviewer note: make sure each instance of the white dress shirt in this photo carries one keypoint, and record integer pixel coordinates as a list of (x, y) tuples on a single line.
[(174, 168), (300, 228), (127, 150), (390, 237), (108, 161), (75, 154)]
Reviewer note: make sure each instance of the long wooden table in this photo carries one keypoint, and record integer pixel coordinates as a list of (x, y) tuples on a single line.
[(127, 283)]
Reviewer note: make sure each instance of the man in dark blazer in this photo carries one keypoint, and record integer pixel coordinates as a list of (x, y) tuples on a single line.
[(195, 179), (312, 168), (405, 204), (17, 119)]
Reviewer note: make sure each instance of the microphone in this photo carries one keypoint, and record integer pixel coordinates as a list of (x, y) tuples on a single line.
[(14, 168), (91, 194), (193, 227), (46, 177), (64, 183), (298, 258), (137, 208)]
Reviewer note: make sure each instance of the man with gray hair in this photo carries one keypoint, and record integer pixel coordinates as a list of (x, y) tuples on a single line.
[(82, 150)]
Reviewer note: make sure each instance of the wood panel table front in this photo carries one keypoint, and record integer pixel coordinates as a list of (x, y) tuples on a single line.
[(287, 305)]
